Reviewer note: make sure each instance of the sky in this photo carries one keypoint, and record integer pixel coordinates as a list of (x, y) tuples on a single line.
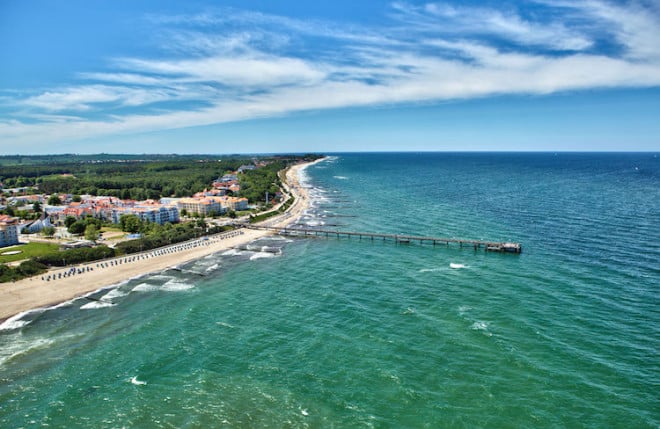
[(263, 76)]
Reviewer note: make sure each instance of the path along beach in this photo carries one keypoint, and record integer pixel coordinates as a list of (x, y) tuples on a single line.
[(32, 293)]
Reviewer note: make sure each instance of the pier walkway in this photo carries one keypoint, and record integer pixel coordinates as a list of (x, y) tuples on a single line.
[(489, 246)]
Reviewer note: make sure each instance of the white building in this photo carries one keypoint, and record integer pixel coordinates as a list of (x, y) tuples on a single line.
[(156, 214), (8, 231)]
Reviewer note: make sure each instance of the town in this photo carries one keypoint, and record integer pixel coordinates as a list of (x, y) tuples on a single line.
[(113, 225), (58, 213)]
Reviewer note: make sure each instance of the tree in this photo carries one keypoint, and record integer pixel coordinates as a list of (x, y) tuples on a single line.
[(48, 231), (54, 200), (78, 227), (69, 220), (91, 232), (76, 199), (31, 268), (36, 207), (130, 223)]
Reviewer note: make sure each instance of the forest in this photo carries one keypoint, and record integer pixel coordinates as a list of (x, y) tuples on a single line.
[(140, 177)]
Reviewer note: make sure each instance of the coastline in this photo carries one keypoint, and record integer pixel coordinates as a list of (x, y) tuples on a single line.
[(33, 293)]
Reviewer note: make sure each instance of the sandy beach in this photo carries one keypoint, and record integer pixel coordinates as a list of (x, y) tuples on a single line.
[(35, 293)]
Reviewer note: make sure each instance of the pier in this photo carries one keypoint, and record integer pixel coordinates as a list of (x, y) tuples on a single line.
[(488, 246)]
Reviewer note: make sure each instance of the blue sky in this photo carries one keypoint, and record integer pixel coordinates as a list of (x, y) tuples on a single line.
[(254, 76)]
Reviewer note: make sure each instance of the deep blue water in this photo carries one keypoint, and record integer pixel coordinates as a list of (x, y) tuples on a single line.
[(361, 333)]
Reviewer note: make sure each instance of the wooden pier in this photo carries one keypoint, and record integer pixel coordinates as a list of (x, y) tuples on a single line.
[(488, 246)]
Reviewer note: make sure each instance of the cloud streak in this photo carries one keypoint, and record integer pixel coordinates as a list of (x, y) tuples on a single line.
[(209, 72)]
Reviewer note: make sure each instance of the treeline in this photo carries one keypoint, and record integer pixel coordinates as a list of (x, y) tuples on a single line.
[(100, 158), (25, 269), (76, 256), (144, 179), (127, 181)]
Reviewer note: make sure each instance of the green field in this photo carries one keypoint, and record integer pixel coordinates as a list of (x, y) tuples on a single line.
[(27, 251)]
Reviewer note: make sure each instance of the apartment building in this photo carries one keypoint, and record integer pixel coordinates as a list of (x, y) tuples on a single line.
[(8, 231)]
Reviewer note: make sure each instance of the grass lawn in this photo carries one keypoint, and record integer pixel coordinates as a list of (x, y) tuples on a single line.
[(27, 251), (112, 233), (106, 228)]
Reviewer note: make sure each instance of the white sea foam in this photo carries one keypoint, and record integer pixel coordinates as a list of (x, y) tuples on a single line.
[(96, 304), (262, 255), (430, 270), (224, 324), (15, 322), (22, 346), (276, 238), (456, 266), (212, 268), (114, 293), (341, 177), (464, 309), (60, 305), (481, 326), (136, 382), (176, 286), (145, 287), (232, 252)]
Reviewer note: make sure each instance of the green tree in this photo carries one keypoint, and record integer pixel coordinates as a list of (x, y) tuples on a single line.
[(91, 232), (36, 207), (31, 268), (76, 199), (69, 220), (48, 231), (130, 223), (54, 200), (78, 227)]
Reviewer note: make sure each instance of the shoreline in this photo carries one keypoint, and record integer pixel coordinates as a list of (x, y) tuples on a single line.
[(34, 294)]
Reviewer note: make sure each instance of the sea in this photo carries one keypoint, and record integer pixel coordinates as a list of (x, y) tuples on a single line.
[(316, 332)]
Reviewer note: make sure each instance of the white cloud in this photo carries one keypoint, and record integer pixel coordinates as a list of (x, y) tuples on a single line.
[(634, 26), (443, 19), (125, 78), (243, 71), (77, 98), (95, 97), (432, 54)]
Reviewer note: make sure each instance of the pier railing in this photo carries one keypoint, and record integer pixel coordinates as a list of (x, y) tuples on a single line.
[(489, 246)]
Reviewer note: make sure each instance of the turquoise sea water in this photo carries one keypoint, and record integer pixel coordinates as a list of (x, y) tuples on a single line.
[(361, 333)]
